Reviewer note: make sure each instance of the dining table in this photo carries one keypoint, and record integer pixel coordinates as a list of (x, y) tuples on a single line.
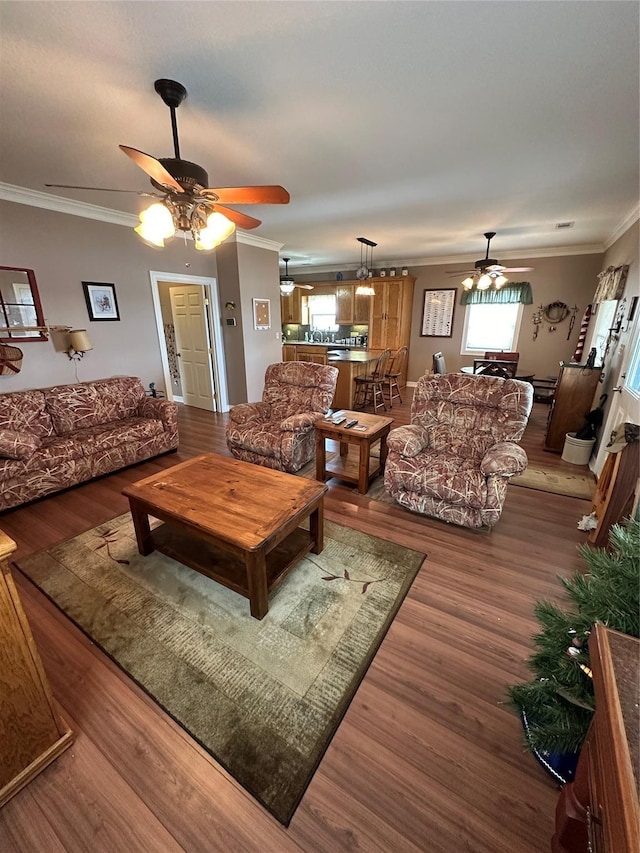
[(521, 375)]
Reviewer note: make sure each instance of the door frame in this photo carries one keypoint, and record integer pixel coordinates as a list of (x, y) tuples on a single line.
[(214, 318)]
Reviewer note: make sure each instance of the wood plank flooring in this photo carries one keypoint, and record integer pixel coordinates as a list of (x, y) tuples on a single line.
[(427, 758)]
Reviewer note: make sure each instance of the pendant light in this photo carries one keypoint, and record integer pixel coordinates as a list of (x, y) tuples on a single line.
[(365, 270)]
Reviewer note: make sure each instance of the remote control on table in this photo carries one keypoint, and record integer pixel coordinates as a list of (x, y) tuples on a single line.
[(349, 424), (338, 421)]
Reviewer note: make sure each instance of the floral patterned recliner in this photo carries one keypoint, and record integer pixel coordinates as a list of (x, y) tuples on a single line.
[(455, 459), (278, 432)]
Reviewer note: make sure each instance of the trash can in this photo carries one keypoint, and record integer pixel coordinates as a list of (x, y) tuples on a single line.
[(577, 451)]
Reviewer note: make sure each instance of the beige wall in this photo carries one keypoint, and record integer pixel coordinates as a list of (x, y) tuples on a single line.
[(65, 250)]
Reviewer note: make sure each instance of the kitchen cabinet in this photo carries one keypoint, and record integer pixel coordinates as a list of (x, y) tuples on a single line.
[(318, 355), (351, 308), (598, 812), (288, 352), (33, 733), (291, 306), (391, 310), (572, 401)]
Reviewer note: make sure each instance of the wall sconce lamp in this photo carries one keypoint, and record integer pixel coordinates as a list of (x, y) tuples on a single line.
[(79, 343)]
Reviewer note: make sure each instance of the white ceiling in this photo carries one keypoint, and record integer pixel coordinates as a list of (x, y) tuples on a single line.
[(419, 125)]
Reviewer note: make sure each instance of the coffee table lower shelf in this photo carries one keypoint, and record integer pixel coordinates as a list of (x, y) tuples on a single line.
[(225, 567)]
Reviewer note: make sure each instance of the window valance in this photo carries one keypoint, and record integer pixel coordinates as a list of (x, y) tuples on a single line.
[(516, 292), (611, 283)]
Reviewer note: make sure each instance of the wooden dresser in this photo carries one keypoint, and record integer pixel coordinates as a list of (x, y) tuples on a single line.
[(572, 401), (598, 812), (33, 734)]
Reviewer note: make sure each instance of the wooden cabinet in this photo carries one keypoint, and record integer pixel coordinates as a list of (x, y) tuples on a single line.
[(598, 811), (318, 355), (288, 352), (291, 306), (572, 401), (351, 307), (32, 732), (392, 305)]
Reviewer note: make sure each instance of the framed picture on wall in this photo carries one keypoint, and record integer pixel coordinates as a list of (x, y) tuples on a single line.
[(101, 300), (437, 313), (261, 314)]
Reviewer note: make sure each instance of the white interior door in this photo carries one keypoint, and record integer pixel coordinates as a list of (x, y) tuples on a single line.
[(193, 346)]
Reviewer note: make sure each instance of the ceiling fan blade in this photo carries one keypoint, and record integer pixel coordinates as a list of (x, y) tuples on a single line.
[(518, 269), (153, 168), (305, 286), (240, 219), (249, 195), (461, 272), (102, 189)]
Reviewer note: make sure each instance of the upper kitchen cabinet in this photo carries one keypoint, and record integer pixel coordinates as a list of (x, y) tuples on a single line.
[(392, 305), (291, 306), (351, 308)]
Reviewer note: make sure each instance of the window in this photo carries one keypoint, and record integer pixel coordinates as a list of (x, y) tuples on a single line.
[(632, 381), (491, 326), (605, 316), (322, 312)]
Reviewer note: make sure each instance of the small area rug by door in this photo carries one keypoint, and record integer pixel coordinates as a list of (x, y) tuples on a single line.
[(263, 697), (580, 484)]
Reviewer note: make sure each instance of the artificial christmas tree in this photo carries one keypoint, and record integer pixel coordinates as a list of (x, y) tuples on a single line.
[(557, 705)]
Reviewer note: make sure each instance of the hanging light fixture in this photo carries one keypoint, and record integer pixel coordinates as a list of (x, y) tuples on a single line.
[(488, 272), (364, 270), (287, 284), (162, 219)]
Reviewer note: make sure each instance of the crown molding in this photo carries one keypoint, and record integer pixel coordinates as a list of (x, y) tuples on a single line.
[(520, 254), (259, 242), (627, 222), (48, 201)]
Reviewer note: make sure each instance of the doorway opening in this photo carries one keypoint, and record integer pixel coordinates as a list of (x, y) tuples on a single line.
[(188, 322)]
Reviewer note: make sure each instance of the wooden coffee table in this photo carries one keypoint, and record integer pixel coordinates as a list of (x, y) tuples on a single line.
[(368, 467), (234, 522)]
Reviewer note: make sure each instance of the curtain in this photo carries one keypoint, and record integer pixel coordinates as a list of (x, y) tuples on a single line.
[(517, 292), (611, 283)]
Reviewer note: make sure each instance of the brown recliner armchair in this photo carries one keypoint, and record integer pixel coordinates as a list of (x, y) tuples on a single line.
[(455, 459), (278, 432)]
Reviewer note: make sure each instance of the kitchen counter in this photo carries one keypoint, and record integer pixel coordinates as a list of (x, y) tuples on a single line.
[(326, 344), (350, 364), (353, 356)]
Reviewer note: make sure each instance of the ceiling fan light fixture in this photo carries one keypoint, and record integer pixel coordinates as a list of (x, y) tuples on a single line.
[(500, 281), (217, 229), (484, 282), (156, 224), (468, 282), (287, 286)]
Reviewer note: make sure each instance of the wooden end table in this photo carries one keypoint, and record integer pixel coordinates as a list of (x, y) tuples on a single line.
[(236, 523), (377, 429)]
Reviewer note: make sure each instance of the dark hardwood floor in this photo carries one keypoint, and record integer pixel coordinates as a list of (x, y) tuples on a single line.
[(427, 758)]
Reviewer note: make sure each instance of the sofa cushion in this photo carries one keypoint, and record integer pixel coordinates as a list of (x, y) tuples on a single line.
[(264, 439), (25, 411), (107, 436), (18, 445), (89, 404), (443, 476), (120, 396)]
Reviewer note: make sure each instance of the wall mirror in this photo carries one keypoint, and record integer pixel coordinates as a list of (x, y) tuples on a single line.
[(21, 317)]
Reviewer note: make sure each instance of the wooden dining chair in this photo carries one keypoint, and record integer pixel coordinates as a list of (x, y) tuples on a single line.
[(502, 368), (370, 389), (395, 371)]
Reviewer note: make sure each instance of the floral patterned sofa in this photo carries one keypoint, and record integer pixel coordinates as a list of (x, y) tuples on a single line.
[(54, 438), (455, 459), (278, 432)]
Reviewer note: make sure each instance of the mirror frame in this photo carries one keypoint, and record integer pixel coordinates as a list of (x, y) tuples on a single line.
[(6, 337)]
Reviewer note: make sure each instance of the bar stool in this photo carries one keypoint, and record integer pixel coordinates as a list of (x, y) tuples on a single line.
[(370, 389), (396, 368)]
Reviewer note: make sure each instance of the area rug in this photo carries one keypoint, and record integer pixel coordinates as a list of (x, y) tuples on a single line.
[(580, 484), (263, 697)]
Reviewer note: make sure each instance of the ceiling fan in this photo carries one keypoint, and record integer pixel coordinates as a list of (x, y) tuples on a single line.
[(287, 284), (487, 271), (183, 187)]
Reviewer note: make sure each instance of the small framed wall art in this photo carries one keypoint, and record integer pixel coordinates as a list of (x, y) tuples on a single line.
[(101, 300), (261, 314), (437, 313)]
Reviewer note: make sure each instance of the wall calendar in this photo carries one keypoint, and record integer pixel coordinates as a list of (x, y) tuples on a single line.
[(437, 313)]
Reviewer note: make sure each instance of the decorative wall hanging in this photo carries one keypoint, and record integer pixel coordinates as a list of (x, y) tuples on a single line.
[(586, 317), (261, 314), (101, 300), (553, 314), (437, 313), (611, 283), (10, 360)]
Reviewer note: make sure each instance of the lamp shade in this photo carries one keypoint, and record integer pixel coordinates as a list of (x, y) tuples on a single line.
[(218, 229), (156, 224), (79, 340)]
